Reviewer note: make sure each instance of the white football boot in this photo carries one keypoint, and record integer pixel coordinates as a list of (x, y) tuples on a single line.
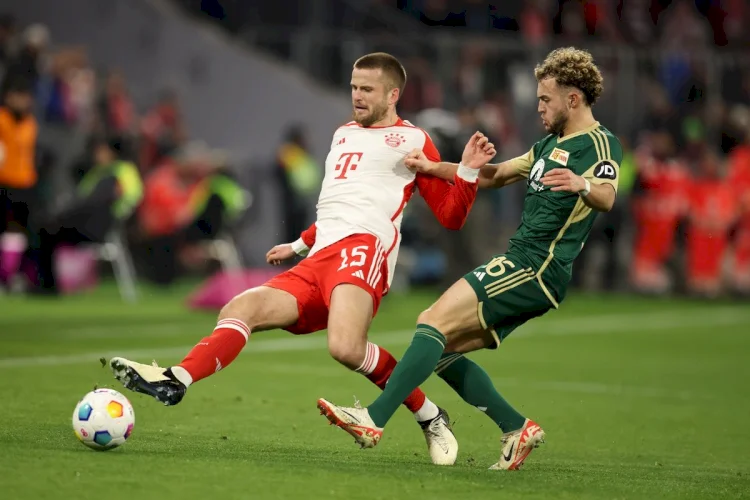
[(517, 445), (356, 421), (441, 443)]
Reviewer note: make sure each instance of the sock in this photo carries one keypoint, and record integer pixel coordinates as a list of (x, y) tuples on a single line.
[(378, 367), (419, 360), (214, 352), (473, 384)]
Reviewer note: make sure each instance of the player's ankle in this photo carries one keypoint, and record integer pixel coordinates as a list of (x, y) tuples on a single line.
[(428, 411), (182, 375)]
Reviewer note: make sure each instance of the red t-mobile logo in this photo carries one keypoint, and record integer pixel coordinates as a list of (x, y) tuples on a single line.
[(347, 162)]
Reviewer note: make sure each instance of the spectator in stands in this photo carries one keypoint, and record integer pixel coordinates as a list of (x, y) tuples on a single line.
[(26, 63), (713, 209), (7, 32), (299, 176), (424, 90), (190, 198), (106, 196), (18, 174), (163, 131), (739, 180), (637, 21), (659, 204), (535, 21), (116, 113)]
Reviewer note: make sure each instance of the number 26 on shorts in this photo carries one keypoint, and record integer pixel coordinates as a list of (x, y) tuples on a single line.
[(358, 257), (497, 266)]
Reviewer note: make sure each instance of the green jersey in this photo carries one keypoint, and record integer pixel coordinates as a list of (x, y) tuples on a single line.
[(554, 224)]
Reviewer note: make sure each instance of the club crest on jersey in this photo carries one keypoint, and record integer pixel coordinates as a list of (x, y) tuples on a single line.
[(560, 156), (394, 140)]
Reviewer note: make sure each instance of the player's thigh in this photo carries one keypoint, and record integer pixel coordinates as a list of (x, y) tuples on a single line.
[(263, 308), (509, 294), (454, 314), (352, 274), (349, 318)]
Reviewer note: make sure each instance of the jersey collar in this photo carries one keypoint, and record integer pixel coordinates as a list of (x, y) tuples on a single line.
[(580, 132)]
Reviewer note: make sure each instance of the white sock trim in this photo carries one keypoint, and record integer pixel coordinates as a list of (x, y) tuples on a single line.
[(182, 375), (236, 325), (372, 356), (428, 411)]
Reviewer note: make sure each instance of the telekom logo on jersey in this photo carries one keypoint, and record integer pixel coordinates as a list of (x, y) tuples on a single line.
[(347, 162)]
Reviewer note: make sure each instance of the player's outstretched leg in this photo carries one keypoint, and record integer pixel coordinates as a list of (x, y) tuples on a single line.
[(260, 308), (350, 315), (452, 324), (473, 384)]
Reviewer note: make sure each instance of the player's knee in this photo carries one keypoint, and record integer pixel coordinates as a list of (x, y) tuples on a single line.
[(445, 325), (246, 307), (348, 354), (428, 317)]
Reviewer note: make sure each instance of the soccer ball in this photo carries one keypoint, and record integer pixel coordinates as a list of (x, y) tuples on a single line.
[(103, 419)]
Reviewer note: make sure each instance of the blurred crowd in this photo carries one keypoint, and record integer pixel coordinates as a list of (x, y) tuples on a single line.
[(677, 88), (682, 222), (81, 166)]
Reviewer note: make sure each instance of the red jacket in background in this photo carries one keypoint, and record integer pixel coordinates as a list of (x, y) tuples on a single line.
[(659, 206), (713, 210)]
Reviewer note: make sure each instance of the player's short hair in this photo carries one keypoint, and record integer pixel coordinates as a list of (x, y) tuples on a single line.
[(390, 66), (571, 67)]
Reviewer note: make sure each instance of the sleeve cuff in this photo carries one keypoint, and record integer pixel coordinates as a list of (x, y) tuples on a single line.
[(299, 247), (467, 174)]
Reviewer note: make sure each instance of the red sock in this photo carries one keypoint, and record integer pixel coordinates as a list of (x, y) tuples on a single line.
[(217, 350), (378, 366)]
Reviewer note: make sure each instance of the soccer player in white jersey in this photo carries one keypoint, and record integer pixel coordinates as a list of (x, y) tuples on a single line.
[(351, 253)]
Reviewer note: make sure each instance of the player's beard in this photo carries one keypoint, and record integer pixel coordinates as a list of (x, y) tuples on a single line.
[(558, 123), (378, 113)]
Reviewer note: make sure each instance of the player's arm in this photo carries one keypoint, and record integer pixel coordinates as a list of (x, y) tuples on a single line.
[(306, 240), (597, 187), (449, 202), (301, 246), (495, 175)]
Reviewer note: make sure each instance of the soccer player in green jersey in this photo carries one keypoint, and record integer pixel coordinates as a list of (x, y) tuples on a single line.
[(571, 174)]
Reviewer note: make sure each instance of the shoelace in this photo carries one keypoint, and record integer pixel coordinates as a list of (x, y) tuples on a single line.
[(433, 432)]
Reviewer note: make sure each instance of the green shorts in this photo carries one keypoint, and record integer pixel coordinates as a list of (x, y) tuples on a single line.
[(509, 294)]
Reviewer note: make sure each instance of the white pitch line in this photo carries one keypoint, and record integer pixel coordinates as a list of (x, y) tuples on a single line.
[(635, 323)]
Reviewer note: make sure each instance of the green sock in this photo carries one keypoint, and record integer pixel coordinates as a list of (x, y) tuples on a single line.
[(415, 367), (473, 384)]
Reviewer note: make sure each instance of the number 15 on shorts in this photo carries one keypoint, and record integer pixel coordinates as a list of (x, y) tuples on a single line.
[(367, 261), (356, 257)]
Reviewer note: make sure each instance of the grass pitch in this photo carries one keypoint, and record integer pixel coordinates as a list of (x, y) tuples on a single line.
[(640, 399)]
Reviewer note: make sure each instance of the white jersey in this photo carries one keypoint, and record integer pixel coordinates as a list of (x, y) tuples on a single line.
[(367, 185)]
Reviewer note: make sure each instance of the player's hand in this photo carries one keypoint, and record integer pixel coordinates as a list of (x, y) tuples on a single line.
[(562, 179), (478, 151), (416, 161), (279, 254)]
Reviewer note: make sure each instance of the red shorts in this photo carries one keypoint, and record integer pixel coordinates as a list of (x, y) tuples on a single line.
[(358, 259)]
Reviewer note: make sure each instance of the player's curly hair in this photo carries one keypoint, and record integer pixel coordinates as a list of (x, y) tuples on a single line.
[(571, 67)]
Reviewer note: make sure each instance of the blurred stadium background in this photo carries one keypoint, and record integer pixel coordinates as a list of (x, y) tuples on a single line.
[(227, 107)]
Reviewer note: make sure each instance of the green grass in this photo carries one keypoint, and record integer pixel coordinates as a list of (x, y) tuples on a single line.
[(639, 399)]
